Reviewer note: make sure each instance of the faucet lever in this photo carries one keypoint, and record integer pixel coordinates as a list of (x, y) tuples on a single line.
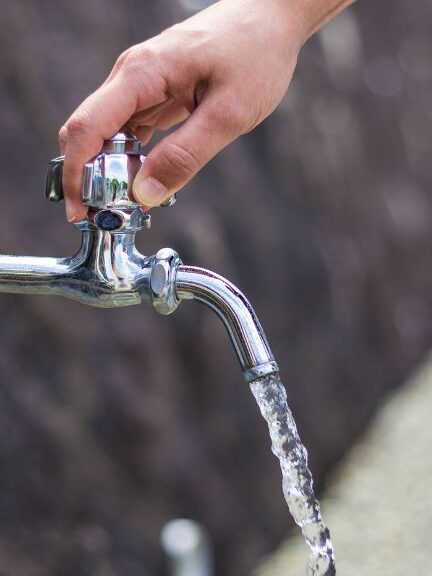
[(108, 177), (54, 186)]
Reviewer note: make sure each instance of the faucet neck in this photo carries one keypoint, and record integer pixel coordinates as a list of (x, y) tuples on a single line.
[(110, 257), (111, 231), (99, 240)]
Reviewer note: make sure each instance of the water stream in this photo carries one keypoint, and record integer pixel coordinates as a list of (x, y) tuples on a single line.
[(297, 483)]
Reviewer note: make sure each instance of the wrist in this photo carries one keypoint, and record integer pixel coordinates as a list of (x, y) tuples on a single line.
[(299, 18), (293, 20), (284, 18), (311, 15)]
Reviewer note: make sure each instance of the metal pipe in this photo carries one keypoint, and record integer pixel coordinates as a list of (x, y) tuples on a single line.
[(237, 314), (187, 549), (32, 275), (106, 272)]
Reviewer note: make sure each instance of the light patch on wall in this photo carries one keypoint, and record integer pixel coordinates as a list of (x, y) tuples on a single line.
[(415, 56), (383, 77), (342, 48), (193, 6)]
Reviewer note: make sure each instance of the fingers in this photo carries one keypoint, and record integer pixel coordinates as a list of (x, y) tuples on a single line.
[(145, 123), (173, 115), (143, 133), (97, 119), (179, 156)]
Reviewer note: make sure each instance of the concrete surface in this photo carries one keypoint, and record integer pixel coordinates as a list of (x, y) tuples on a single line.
[(379, 503)]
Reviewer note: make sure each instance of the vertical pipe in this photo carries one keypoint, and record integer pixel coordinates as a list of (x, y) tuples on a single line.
[(187, 549)]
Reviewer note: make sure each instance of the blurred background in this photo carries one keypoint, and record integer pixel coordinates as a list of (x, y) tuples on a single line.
[(113, 422)]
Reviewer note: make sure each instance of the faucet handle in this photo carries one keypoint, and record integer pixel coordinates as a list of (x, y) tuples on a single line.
[(170, 202), (54, 186), (107, 178)]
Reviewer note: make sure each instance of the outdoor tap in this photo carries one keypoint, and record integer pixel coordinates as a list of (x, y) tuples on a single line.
[(108, 270)]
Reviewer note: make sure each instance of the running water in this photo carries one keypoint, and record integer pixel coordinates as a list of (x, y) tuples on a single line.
[(271, 397)]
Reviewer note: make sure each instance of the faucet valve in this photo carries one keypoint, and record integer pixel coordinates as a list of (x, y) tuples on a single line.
[(108, 178)]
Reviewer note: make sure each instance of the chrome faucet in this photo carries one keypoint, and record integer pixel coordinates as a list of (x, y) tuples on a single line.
[(108, 271)]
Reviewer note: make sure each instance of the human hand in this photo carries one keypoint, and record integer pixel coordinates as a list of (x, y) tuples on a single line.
[(218, 73)]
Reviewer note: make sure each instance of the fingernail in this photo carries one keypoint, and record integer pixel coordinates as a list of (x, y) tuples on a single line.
[(150, 192)]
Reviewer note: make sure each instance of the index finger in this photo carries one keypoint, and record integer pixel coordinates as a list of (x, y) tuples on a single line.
[(98, 118)]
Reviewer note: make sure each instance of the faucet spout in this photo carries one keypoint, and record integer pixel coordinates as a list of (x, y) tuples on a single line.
[(108, 272), (32, 274), (237, 314)]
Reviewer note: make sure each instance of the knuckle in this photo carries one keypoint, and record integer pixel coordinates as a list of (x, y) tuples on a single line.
[(79, 123), (122, 58), (181, 160), (143, 62), (231, 119), (125, 58), (134, 57)]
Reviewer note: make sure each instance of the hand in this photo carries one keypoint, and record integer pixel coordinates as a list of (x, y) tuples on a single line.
[(219, 74)]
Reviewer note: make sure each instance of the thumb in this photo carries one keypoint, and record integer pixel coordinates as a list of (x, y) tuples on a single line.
[(180, 155)]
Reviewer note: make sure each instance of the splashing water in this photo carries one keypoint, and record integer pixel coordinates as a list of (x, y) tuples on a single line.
[(297, 483)]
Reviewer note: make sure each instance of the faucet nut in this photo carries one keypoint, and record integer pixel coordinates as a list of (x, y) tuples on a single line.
[(163, 281)]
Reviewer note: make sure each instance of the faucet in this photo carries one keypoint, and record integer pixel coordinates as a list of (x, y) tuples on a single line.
[(108, 271)]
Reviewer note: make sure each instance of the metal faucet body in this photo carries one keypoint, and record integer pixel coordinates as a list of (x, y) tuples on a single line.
[(108, 271)]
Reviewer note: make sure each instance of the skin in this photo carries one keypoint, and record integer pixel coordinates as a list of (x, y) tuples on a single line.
[(216, 75)]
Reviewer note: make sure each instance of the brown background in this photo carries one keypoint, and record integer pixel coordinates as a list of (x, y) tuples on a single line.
[(113, 422)]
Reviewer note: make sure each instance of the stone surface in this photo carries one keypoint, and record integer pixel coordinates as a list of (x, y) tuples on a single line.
[(379, 504)]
